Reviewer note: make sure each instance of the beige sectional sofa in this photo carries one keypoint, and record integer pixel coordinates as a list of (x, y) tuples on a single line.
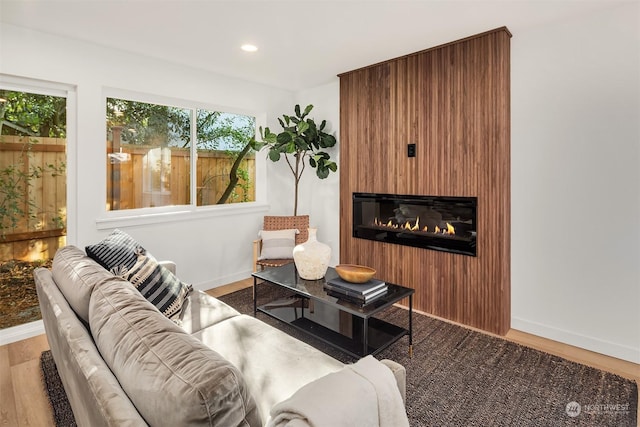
[(123, 363)]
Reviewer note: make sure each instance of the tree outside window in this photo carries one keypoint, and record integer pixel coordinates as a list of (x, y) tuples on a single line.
[(149, 156)]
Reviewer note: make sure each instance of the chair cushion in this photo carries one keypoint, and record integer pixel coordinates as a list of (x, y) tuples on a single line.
[(278, 222), (278, 244), (172, 378)]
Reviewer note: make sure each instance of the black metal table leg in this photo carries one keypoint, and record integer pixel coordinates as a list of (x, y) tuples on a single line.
[(365, 339), (255, 296)]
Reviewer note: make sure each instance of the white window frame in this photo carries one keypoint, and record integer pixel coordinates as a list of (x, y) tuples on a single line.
[(162, 214), (68, 91)]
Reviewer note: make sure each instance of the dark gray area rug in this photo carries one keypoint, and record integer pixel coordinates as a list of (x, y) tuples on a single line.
[(62, 413), (459, 377)]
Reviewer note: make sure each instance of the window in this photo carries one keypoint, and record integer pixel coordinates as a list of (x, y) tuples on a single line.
[(150, 152)]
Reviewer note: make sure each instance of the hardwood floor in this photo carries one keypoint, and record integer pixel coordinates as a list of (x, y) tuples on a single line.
[(23, 401)]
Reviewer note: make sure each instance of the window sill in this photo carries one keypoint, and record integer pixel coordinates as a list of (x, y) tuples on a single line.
[(135, 217)]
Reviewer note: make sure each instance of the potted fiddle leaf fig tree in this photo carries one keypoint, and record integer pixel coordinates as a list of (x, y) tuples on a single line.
[(300, 139)]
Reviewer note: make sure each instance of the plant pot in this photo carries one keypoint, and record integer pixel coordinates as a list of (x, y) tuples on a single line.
[(312, 257)]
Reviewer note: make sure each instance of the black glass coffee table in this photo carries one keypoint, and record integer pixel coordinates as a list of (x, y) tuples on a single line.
[(352, 328)]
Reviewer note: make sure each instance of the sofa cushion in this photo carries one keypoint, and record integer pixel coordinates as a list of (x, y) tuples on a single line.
[(158, 285), (171, 377), (76, 275), (274, 364), (201, 310)]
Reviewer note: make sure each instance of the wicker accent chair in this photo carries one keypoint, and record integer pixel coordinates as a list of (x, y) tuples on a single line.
[(272, 223)]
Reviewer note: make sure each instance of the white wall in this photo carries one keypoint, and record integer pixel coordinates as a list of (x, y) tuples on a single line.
[(209, 250), (576, 182)]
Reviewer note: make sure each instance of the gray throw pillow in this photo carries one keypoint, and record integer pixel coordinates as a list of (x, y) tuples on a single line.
[(116, 251)]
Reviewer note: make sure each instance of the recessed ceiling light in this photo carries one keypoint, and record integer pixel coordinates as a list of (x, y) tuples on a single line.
[(249, 47)]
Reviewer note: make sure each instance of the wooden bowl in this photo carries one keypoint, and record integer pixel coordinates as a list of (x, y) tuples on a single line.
[(355, 273)]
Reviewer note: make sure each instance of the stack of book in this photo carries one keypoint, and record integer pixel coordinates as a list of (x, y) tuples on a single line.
[(357, 293)]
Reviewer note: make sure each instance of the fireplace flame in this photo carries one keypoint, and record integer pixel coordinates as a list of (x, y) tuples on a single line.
[(450, 229), (415, 227)]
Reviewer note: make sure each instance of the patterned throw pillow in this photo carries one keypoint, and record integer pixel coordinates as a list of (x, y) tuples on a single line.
[(158, 285), (123, 256), (278, 244), (116, 251)]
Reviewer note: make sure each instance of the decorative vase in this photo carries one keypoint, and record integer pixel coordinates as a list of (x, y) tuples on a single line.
[(312, 257)]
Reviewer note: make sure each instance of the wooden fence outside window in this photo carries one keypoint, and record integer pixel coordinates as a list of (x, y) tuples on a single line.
[(38, 236), (139, 182)]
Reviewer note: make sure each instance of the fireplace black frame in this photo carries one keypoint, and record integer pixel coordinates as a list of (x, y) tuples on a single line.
[(460, 212)]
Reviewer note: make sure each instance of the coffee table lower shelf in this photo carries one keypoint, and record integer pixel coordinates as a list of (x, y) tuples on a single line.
[(381, 334)]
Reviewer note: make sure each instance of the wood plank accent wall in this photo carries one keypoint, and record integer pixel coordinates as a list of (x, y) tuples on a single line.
[(453, 102)]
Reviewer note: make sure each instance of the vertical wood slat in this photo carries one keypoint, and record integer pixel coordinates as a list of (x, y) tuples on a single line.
[(452, 101)]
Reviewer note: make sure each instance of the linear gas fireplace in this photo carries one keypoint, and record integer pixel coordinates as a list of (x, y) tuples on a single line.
[(440, 223)]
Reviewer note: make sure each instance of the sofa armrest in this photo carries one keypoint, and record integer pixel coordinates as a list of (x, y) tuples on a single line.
[(169, 265), (94, 393), (400, 373)]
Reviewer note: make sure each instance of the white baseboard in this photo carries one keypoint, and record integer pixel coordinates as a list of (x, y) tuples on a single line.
[(220, 281), (607, 348), (21, 332)]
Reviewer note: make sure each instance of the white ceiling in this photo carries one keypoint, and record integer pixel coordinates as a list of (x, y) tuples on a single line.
[(302, 43)]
